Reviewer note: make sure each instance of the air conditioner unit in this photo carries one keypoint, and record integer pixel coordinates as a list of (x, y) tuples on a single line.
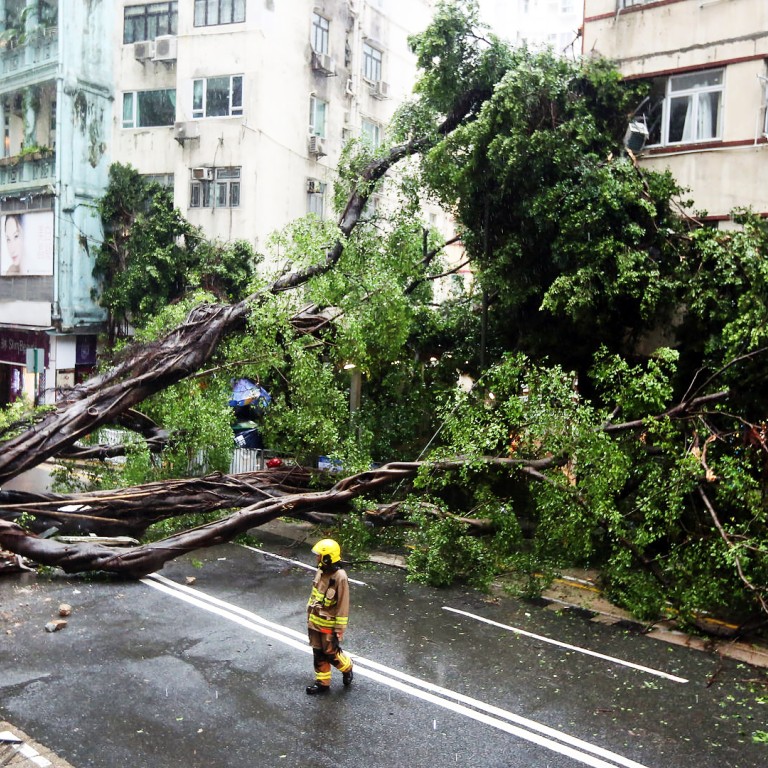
[(144, 50), (322, 62), (636, 135), (165, 48), (314, 186), (202, 174), (380, 90), (315, 146), (349, 88), (185, 131)]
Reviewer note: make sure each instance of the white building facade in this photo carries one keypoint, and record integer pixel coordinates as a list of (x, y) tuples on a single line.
[(245, 104)]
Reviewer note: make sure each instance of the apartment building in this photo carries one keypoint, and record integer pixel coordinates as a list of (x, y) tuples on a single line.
[(55, 109), (242, 106), (705, 116)]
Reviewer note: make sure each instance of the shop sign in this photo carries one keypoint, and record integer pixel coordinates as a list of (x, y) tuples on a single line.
[(14, 345)]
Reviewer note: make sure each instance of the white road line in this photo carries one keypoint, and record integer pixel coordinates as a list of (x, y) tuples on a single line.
[(516, 725), (294, 562), (585, 651)]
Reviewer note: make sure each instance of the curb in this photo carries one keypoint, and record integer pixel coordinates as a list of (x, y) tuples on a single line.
[(17, 750)]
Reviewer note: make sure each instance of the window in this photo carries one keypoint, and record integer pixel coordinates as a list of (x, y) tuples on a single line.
[(146, 22), (209, 13), (218, 96), (694, 106), (372, 58), (684, 109), (318, 110), (162, 179), (371, 132), (765, 108), (144, 109), (320, 32), (221, 192), (316, 199)]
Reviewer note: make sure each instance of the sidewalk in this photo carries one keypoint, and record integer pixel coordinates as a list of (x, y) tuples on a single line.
[(17, 750)]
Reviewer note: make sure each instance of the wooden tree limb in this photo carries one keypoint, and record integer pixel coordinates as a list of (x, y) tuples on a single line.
[(759, 592), (102, 400), (144, 559), (130, 511), (396, 513), (681, 410)]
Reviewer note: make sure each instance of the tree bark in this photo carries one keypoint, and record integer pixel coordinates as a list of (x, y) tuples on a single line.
[(141, 560)]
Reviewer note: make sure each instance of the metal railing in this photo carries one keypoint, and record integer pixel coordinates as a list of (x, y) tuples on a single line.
[(27, 170), (42, 48), (243, 459)]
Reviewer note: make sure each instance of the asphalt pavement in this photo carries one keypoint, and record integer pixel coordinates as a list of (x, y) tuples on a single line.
[(205, 664)]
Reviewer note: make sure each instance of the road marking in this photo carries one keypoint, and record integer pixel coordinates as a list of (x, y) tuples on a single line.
[(585, 651), (295, 562), (503, 720)]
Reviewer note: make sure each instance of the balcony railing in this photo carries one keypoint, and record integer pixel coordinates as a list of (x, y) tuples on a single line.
[(40, 49), (27, 171)]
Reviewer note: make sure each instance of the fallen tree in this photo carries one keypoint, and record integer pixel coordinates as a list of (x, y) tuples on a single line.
[(584, 266), (141, 560)]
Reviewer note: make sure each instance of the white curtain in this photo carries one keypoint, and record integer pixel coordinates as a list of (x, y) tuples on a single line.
[(705, 123), (688, 127)]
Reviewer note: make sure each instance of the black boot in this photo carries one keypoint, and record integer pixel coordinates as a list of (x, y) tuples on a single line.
[(317, 688), (347, 677)]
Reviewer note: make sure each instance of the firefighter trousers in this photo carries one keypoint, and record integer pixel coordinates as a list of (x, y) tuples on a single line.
[(326, 653)]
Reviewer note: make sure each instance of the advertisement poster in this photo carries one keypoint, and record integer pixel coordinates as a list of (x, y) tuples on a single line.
[(26, 244)]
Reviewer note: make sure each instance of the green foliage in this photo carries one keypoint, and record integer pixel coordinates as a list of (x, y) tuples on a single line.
[(15, 418), (635, 390), (443, 552), (457, 56), (307, 417)]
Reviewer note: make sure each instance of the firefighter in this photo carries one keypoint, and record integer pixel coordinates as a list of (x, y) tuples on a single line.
[(327, 617)]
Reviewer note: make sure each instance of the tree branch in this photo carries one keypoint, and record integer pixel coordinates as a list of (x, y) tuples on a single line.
[(732, 548)]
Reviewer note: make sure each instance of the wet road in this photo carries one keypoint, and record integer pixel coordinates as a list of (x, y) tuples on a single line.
[(161, 673)]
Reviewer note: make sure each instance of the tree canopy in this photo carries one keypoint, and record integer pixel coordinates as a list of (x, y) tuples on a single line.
[(615, 344)]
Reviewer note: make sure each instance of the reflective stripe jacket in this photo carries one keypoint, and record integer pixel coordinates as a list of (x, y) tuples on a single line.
[(328, 605)]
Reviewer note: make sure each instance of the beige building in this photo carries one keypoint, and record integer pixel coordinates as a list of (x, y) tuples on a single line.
[(244, 105), (705, 117)]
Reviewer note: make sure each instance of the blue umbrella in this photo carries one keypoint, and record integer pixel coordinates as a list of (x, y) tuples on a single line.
[(247, 392)]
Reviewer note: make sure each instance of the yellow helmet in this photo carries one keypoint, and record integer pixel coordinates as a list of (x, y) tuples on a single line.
[(329, 551)]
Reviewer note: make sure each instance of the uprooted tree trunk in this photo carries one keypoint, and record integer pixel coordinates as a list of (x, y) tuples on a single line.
[(141, 560), (259, 496), (146, 369), (130, 511)]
